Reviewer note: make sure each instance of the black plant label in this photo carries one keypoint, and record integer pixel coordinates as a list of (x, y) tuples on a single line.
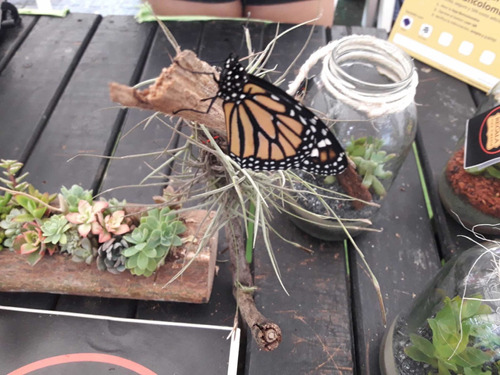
[(482, 139)]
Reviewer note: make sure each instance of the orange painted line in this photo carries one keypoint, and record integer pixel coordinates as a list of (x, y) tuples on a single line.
[(83, 357)]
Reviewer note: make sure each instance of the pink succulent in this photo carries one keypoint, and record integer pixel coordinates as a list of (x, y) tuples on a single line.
[(106, 225), (31, 242), (86, 215)]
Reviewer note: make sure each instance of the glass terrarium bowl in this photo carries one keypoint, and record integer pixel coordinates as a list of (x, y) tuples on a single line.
[(365, 93), (473, 196), (453, 327)]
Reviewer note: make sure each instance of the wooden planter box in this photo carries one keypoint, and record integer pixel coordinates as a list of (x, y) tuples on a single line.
[(59, 274)]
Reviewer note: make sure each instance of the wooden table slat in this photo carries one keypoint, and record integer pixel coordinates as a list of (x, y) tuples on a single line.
[(34, 78), (315, 318), (11, 39), (84, 121)]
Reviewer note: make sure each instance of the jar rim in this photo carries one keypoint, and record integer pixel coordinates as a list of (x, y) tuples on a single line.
[(389, 59)]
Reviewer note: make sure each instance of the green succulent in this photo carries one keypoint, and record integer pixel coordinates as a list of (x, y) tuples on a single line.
[(74, 195), (152, 240), (11, 227), (84, 252), (54, 230), (463, 339), (116, 205), (11, 167), (34, 209), (80, 249), (493, 171), (370, 161)]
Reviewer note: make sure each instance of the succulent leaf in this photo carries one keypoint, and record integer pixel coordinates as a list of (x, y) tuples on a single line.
[(151, 241)]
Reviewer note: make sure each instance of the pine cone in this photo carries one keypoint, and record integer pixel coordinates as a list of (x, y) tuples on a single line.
[(109, 255)]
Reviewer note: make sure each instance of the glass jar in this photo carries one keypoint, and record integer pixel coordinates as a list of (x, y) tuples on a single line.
[(473, 196), (365, 92), (454, 324)]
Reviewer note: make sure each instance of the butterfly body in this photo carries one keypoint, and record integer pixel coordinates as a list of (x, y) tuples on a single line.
[(269, 130)]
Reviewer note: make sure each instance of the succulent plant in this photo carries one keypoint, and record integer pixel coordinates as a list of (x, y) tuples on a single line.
[(116, 205), (109, 224), (493, 171), (152, 241), (30, 242), (370, 161), (11, 227), (74, 195), (34, 209), (11, 181), (54, 230), (86, 215), (80, 249), (84, 252), (110, 257)]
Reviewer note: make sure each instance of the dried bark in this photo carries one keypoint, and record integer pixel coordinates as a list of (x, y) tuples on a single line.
[(266, 333), (187, 84), (351, 183)]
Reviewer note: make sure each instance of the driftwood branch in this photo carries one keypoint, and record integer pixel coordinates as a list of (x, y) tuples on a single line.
[(266, 333), (187, 86)]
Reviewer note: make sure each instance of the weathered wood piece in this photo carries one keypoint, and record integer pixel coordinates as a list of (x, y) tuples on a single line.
[(58, 274)]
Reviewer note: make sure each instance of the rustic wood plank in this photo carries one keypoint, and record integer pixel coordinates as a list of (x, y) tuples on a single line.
[(83, 121), (32, 82), (58, 274), (137, 140), (444, 106), (315, 318), (11, 39), (402, 256)]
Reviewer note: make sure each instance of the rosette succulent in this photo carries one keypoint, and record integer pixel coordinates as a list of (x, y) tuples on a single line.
[(152, 241), (54, 230)]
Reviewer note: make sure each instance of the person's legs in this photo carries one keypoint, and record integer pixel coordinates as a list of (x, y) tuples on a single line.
[(205, 8), (292, 12)]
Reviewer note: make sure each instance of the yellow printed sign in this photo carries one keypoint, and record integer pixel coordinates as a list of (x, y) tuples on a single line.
[(459, 37)]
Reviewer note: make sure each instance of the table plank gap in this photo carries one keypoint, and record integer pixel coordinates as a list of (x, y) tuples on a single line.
[(12, 39)]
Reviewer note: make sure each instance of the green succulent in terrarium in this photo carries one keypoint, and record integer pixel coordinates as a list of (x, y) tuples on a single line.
[(74, 195), (493, 171), (152, 241), (463, 339), (54, 230), (370, 162)]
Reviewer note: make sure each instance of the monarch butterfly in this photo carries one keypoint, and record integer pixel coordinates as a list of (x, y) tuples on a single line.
[(269, 130)]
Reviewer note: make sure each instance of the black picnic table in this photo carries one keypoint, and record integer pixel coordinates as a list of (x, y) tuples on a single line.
[(54, 104)]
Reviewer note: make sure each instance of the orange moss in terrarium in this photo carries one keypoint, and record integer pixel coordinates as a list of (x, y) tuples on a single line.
[(480, 191)]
